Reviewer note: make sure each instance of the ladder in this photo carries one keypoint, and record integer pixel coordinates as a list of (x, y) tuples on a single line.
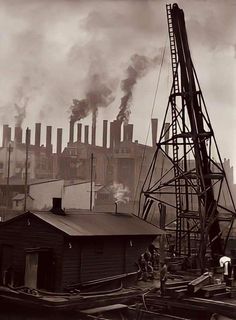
[(173, 50), (175, 91)]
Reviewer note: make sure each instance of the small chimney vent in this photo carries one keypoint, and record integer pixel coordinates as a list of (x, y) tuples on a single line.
[(56, 207)]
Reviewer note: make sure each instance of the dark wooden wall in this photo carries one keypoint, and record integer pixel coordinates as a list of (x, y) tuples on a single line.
[(32, 233), (71, 262), (77, 260)]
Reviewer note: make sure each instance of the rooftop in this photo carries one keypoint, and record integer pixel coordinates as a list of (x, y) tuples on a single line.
[(98, 224)]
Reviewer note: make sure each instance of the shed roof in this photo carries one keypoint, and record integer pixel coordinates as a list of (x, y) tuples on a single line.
[(21, 196), (98, 224)]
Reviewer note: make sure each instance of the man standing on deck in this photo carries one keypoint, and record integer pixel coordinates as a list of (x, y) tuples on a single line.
[(163, 278), (225, 262)]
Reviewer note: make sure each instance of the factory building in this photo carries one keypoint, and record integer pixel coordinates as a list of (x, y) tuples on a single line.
[(119, 165)]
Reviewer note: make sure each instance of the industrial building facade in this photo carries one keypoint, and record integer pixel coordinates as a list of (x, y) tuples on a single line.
[(119, 161)]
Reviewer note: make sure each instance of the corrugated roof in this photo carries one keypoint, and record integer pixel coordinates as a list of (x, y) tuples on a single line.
[(98, 224)]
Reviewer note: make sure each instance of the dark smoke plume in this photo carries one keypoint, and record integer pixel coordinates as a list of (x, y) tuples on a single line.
[(138, 68), (21, 113), (98, 95)]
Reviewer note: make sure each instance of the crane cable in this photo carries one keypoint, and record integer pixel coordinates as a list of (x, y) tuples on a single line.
[(153, 105)]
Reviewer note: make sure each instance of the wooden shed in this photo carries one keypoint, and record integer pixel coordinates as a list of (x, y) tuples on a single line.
[(49, 251)]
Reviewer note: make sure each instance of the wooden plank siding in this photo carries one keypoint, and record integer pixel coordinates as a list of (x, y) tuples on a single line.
[(75, 259), (32, 233), (135, 246), (71, 262), (101, 257), (116, 257)]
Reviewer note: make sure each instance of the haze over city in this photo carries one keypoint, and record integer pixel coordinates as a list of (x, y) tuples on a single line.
[(51, 51)]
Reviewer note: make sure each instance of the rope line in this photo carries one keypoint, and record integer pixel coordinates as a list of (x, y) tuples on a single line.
[(153, 105)]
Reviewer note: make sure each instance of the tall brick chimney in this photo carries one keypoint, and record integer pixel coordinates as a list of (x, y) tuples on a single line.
[(111, 135), (154, 131), (49, 139), (117, 132), (104, 136), (37, 134), (9, 134), (128, 132), (93, 140), (71, 134), (5, 135), (59, 140), (79, 132), (28, 137), (86, 134), (18, 135)]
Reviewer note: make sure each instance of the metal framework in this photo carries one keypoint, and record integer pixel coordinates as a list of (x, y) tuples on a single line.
[(193, 182)]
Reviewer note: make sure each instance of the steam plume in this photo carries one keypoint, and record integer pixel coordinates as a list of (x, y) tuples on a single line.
[(120, 192), (138, 68)]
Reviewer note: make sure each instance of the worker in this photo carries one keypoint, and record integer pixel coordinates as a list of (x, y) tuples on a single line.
[(154, 256), (163, 278), (225, 262), (143, 268)]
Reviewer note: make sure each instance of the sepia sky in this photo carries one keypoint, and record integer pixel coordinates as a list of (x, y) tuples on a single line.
[(50, 51)]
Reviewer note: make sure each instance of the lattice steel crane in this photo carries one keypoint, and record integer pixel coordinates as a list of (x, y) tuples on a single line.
[(195, 176)]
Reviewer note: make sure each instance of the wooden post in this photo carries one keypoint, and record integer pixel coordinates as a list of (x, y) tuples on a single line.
[(8, 173), (26, 167), (91, 183)]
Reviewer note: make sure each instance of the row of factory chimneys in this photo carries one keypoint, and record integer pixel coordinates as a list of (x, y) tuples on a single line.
[(115, 135), (18, 134)]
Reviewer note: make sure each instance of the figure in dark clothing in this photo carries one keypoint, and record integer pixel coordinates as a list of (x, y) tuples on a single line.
[(143, 267), (163, 278), (154, 256)]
